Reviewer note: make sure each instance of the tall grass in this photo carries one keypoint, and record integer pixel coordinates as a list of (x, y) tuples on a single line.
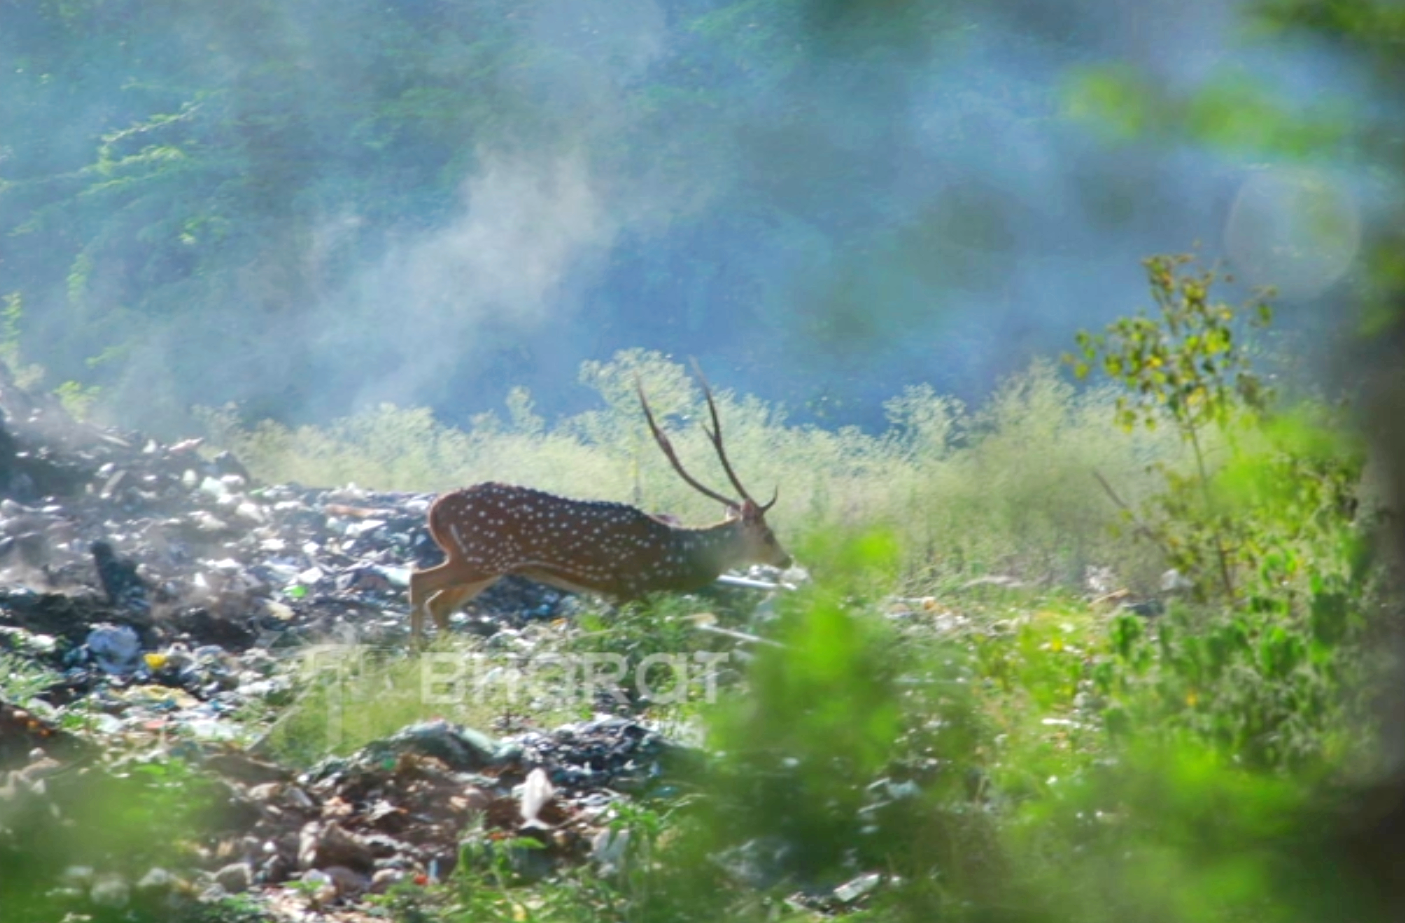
[(1006, 488)]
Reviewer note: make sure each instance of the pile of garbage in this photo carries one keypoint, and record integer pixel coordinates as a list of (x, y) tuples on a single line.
[(176, 544), (150, 593), (123, 556)]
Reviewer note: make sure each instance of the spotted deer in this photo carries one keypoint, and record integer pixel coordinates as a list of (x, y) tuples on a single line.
[(490, 530)]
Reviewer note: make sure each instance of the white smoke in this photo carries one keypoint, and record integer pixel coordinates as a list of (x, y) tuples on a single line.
[(528, 230)]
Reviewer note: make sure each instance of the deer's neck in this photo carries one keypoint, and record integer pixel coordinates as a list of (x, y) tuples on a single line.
[(710, 550)]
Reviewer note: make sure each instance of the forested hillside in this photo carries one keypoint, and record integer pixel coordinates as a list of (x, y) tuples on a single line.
[(314, 206)]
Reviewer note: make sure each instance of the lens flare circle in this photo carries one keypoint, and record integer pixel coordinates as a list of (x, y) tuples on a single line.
[(1294, 228)]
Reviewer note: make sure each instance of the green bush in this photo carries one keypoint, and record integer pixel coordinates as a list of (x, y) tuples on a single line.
[(1266, 525), (102, 827)]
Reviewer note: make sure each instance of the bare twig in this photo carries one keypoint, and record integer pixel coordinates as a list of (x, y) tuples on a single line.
[(1137, 523), (1110, 492)]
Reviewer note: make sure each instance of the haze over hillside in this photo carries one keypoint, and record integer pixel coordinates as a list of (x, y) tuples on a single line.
[(311, 207)]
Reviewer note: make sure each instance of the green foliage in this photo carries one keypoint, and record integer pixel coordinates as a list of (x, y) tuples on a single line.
[(1016, 498), (234, 908), (11, 321), (120, 820), (1230, 110), (355, 694), (350, 695), (77, 399), (489, 885), (1267, 524), (1115, 99), (493, 880), (10, 328), (1185, 363), (828, 692), (21, 678), (1175, 832), (1271, 523), (662, 626), (1270, 691), (851, 749)]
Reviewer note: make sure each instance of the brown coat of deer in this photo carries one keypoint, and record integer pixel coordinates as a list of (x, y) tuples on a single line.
[(490, 530)]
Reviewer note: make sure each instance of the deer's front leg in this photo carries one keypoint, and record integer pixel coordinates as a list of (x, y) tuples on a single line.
[(444, 602)]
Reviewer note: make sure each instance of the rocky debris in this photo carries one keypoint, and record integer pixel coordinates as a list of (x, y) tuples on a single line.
[(30, 469), (115, 649), (403, 804), (406, 808), (154, 582)]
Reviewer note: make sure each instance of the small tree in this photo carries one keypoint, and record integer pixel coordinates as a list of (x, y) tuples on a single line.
[(1186, 365), (1265, 517)]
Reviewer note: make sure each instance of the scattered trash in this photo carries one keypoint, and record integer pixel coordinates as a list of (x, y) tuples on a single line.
[(152, 591), (536, 792), (115, 648), (853, 890)]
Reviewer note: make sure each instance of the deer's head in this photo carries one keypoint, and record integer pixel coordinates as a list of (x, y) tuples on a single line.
[(758, 543)]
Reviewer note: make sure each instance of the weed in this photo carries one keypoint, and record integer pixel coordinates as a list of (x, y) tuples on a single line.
[(78, 399), (21, 678)]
